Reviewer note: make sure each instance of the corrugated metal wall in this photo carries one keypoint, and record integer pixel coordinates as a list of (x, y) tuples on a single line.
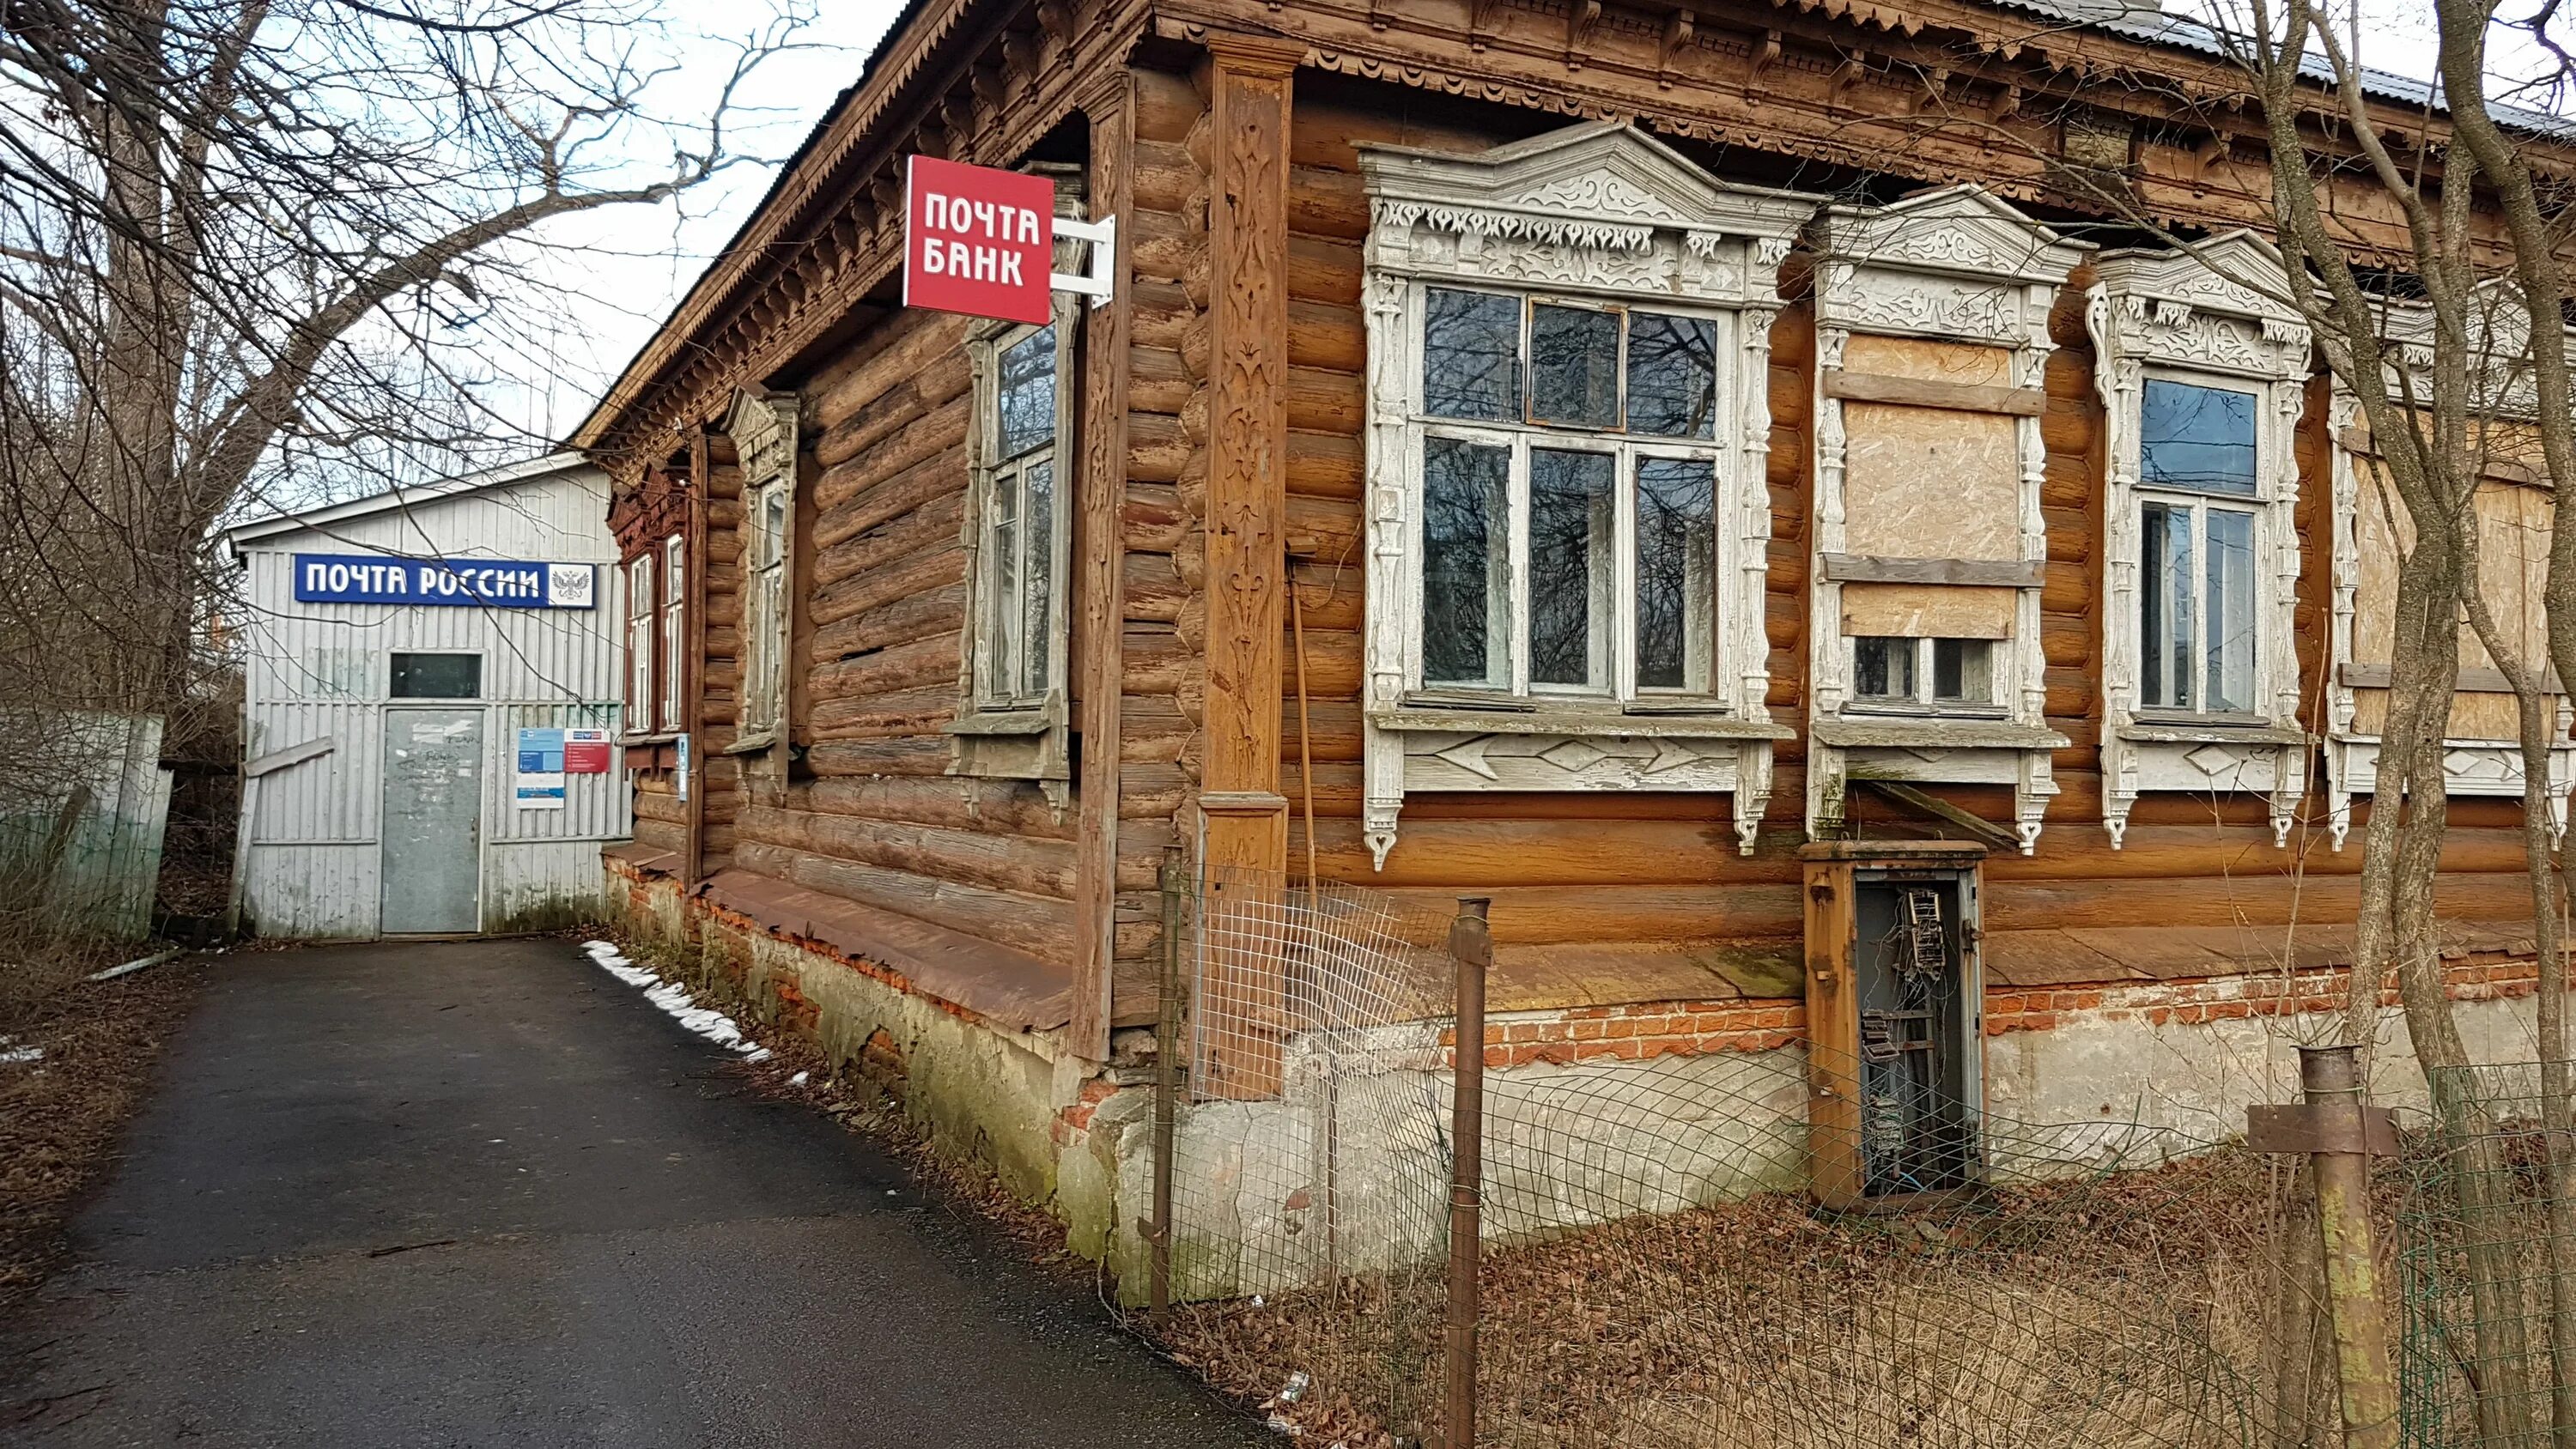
[(322, 670)]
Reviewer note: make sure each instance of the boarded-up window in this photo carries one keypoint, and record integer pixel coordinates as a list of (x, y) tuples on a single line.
[(2513, 569), (1922, 482)]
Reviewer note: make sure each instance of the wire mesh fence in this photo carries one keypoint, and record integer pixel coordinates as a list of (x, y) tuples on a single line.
[(2486, 1213), (1658, 1264)]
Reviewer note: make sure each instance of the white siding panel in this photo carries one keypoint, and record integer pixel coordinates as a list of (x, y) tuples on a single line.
[(311, 891), (540, 884)]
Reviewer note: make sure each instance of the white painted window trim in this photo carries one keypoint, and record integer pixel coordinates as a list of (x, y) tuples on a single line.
[(2211, 317), (2469, 767), (671, 626), (636, 579), (763, 429), (1952, 265), (1595, 213)]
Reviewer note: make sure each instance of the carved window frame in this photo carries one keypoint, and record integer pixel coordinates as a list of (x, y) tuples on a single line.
[(763, 427), (2470, 767), (1017, 736), (2213, 316), (1952, 265), (1592, 214)]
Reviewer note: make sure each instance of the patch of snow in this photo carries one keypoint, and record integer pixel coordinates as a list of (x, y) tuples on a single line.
[(673, 998), (20, 1056), (797, 1080)]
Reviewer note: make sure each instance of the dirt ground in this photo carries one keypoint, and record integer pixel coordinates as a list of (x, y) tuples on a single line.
[(76, 1061)]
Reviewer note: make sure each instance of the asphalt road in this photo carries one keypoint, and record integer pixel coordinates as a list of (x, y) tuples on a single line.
[(484, 1194)]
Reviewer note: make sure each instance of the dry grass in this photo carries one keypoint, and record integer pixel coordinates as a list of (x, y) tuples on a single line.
[(60, 1114), (2126, 1311)]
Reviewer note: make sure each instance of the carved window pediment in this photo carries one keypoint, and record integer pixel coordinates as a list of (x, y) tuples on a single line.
[(1566, 505)]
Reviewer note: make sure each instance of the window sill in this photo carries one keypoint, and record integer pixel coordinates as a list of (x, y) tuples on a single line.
[(751, 744), (1518, 718), (1934, 732), (1005, 722), (2209, 729), (633, 741)]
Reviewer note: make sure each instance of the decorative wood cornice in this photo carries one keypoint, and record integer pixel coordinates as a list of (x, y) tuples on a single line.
[(830, 232)]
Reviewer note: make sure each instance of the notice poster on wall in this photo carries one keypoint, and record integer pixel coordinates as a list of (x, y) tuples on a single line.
[(682, 774), (585, 752), (541, 770)]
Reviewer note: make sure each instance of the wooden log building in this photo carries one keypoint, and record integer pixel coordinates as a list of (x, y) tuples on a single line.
[(1738, 488)]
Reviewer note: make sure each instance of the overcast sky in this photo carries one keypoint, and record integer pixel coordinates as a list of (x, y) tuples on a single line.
[(627, 268)]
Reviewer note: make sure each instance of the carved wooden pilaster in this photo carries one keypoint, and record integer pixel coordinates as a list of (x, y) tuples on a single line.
[(1101, 605), (1247, 501)]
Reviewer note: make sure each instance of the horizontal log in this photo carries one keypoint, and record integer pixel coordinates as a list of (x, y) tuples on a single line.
[(1153, 587), (1327, 335), (1164, 178), (659, 804), (1163, 244), (1160, 314), (939, 522), (906, 756), (1158, 449), (937, 375), (914, 616), (932, 569), (923, 712), (1025, 865), (916, 665), (661, 835), (1326, 402), (1323, 270), (880, 502), (1323, 201), (1152, 789), (1167, 105), (895, 349), (2267, 901), (1930, 393), (1573, 915), (938, 432), (956, 802), (1153, 730), (1158, 381), (1035, 924)]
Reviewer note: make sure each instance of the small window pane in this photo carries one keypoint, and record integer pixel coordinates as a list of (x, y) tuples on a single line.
[(675, 555), (2229, 604), (1676, 568), (2201, 438), (1569, 554), (1037, 579), (1962, 671), (1471, 355), (1466, 550), (1883, 668), (769, 528), (2164, 595), (1002, 606), (437, 676), (1574, 367), (1027, 395), (1672, 375)]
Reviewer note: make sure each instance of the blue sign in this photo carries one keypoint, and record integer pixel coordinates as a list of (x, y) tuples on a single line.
[(335, 578)]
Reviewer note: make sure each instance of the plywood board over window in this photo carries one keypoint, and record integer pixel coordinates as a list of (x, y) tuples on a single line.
[(2515, 507), (1931, 340)]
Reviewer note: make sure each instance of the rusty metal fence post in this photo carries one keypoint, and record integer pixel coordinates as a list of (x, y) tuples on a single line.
[(2340, 1133), (1167, 1088), (1471, 943)]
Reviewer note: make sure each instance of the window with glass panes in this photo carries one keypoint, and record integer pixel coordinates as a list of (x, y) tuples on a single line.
[(675, 572), (1569, 460), (640, 695), (1021, 550), (2198, 493), (1918, 674)]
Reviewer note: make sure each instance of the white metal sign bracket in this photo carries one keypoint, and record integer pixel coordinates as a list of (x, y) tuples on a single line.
[(1096, 281)]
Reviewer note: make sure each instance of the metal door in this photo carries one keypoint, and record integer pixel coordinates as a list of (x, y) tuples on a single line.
[(432, 830), (1913, 974)]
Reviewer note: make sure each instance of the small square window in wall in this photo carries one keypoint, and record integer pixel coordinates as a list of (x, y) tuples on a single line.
[(437, 676), (1917, 675)]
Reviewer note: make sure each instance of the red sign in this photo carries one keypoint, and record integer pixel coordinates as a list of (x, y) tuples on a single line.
[(585, 752), (977, 240)]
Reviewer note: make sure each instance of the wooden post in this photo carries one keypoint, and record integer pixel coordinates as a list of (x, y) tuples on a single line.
[(1834, 1172), (1101, 610), (2330, 1080), (1471, 944), (1247, 482)]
